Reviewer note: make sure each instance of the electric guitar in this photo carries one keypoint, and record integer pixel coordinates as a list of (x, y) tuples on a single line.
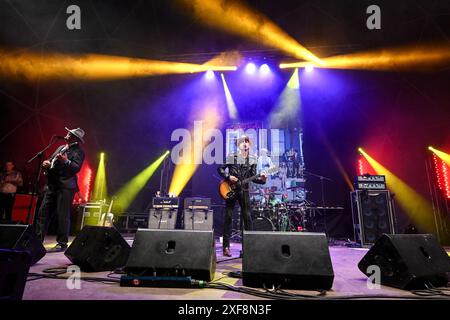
[(227, 189)]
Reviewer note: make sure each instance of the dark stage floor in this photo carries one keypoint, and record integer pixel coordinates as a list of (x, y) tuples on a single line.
[(349, 281)]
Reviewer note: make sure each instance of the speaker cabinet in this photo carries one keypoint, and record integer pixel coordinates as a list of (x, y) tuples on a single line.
[(373, 215), (23, 238), (173, 253), (162, 219), (14, 267), (198, 219), (408, 261), (98, 249), (289, 260)]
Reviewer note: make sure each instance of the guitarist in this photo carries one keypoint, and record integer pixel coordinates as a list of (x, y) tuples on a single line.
[(237, 168), (61, 170)]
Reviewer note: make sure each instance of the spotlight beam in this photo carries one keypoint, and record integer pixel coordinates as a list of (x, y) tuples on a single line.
[(237, 18), (30, 66), (232, 110), (396, 59), (441, 154), (288, 104), (100, 187), (416, 206), (126, 195)]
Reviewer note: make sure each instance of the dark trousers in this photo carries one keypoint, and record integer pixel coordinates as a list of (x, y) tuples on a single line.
[(55, 202), (243, 199), (6, 206)]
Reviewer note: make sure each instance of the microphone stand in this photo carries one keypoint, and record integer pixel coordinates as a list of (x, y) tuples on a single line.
[(321, 183), (39, 156)]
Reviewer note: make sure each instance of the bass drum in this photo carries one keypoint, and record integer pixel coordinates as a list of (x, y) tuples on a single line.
[(261, 223)]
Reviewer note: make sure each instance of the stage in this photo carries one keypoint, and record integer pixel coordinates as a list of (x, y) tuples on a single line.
[(349, 282)]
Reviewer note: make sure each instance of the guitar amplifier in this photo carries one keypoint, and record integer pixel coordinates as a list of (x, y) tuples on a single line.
[(197, 203), (198, 219), (162, 219), (165, 203), (370, 182)]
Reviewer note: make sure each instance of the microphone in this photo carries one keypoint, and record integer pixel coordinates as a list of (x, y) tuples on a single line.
[(59, 137)]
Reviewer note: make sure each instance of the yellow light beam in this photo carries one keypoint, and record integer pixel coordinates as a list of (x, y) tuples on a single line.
[(237, 18), (416, 206), (441, 154), (410, 57), (185, 170), (232, 110), (288, 104), (28, 65), (100, 191), (126, 195)]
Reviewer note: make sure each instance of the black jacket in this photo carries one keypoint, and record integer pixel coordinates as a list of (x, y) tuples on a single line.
[(241, 168), (64, 175)]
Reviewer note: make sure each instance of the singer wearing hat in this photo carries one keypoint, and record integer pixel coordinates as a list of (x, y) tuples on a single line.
[(61, 170)]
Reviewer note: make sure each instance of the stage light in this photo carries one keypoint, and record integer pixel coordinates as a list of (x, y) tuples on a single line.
[(100, 191), (288, 104), (237, 18), (264, 69), (28, 65), (413, 204), (250, 68), (360, 149), (432, 56), (309, 68), (441, 154), (126, 195), (209, 75), (232, 110)]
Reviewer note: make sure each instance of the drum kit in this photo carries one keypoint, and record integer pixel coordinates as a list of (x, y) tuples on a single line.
[(273, 211)]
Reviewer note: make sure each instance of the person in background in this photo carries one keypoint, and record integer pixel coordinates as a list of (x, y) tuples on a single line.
[(10, 179)]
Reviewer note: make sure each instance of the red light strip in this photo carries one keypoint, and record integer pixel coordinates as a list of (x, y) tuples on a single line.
[(446, 178), (436, 169), (360, 167), (88, 186)]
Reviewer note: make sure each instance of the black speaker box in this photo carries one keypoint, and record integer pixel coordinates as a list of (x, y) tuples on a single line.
[(198, 219), (162, 219), (14, 267), (408, 261), (22, 238), (98, 249), (290, 260), (173, 253), (373, 215)]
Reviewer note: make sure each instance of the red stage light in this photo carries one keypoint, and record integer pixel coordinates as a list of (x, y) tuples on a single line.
[(442, 175)]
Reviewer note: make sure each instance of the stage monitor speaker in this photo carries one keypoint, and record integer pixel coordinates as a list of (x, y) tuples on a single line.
[(23, 238), (173, 253), (98, 249), (407, 261), (372, 215), (162, 219), (198, 219), (290, 260), (14, 267)]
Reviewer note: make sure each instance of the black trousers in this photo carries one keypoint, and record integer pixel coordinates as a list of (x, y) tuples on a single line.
[(56, 202), (6, 206), (243, 198)]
